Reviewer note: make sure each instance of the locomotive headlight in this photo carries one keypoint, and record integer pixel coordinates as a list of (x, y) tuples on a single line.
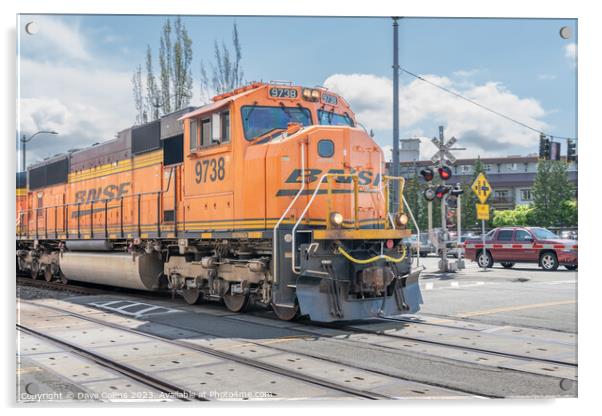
[(401, 219), (336, 218), (306, 94), (315, 95)]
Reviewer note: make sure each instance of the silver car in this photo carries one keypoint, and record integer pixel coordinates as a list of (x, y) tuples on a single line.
[(426, 247)]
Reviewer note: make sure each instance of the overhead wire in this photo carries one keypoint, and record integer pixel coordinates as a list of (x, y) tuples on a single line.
[(483, 106)]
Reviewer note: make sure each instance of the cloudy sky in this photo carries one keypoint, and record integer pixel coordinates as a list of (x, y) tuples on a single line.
[(75, 72)]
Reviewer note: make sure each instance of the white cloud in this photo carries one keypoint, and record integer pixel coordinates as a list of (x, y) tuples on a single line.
[(424, 107), (64, 87), (570, 51), (56, 40)]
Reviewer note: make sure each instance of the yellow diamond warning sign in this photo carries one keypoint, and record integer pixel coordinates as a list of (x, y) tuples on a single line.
[(483, 211), (481, 188)]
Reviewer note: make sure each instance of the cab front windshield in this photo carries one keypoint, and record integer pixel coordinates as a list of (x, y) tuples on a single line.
[(258, 121)]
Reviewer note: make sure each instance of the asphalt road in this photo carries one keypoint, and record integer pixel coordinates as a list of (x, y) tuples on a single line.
[(522, 296)]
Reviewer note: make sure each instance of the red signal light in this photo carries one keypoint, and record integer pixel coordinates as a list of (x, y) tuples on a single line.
[(427, 174), (441, 191), (445, 173)]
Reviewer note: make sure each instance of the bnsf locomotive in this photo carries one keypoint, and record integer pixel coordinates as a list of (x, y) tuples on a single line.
[(270, 194)]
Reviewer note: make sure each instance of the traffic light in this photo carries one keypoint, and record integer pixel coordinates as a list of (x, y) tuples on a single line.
[(544, 147), (457, 190), (445, 173), (571, 150), (427, 174), (441, 190), (429, 194)]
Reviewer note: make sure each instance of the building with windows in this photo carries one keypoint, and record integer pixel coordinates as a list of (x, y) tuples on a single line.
[(511, 177)]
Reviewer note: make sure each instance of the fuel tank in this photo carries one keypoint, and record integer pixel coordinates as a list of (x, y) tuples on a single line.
[(141, 272)]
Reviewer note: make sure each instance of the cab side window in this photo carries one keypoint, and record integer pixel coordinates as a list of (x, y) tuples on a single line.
[(206, 132), (193, 135), (225, 122), (522, 235), (504, 235)]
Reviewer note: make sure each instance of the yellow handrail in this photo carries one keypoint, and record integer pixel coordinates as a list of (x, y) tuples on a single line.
[(372, 259), (386, 180)]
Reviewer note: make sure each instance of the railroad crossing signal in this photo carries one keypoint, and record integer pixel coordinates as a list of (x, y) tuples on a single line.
[(443, 152), (481, 188), (483, 211)]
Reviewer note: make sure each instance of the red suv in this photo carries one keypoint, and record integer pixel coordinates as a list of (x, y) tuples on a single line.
[(510, 245)]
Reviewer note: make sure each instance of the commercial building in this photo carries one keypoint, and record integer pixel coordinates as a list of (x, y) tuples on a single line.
[(511, 177)]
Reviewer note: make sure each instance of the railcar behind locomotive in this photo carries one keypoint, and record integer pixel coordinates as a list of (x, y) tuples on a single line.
[(271, 194)]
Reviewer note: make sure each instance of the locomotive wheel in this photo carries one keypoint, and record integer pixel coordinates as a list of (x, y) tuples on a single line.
[(48, 275), (236, 303), (284, 313), (35, 270), (192, 296), (62, 278)]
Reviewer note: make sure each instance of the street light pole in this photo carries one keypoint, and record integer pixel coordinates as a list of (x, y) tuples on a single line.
[(395, 161), (24, 142)]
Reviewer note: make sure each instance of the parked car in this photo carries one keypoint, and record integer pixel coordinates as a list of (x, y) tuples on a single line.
[(568, 235), (456, 249), (426, 246), (510, 245)]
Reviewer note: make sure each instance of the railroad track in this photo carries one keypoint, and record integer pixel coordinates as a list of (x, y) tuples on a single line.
[(85, 290), (533, 365), (171, 391), (246, 361), (456, 346)]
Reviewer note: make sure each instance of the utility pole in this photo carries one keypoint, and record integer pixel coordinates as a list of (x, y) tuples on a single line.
[(395, 197), (443, 263)]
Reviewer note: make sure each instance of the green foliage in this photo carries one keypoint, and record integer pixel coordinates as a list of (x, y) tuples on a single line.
[(523, 215), (551, 192), (569, 213)]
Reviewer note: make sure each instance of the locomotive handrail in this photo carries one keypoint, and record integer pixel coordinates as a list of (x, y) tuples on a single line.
[(23, 223), (386, 180), (274, 240), (311, 200)]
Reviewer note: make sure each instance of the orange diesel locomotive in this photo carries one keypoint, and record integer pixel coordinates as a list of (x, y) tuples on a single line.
[(270, 194)]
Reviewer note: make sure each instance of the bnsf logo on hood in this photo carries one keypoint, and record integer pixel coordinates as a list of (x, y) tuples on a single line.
[(365, 177)]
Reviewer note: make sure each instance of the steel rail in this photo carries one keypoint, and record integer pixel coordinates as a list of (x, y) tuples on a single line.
[(130, 372), (463, 347)]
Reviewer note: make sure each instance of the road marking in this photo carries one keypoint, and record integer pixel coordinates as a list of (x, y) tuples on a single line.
[(557, 282), (514, 308), (455, 284), (429, 286)]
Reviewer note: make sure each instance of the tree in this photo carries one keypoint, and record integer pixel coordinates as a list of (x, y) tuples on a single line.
[(181, 71), (165, 67), (413, 196), (172, 89), (551, 190), (226, 70), (152, 92), (138, 98)]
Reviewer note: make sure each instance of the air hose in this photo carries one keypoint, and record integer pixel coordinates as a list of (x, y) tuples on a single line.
[(372, 259)]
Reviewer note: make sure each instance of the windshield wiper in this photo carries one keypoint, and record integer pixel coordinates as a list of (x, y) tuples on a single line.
[(288, 113), (251, 110)]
